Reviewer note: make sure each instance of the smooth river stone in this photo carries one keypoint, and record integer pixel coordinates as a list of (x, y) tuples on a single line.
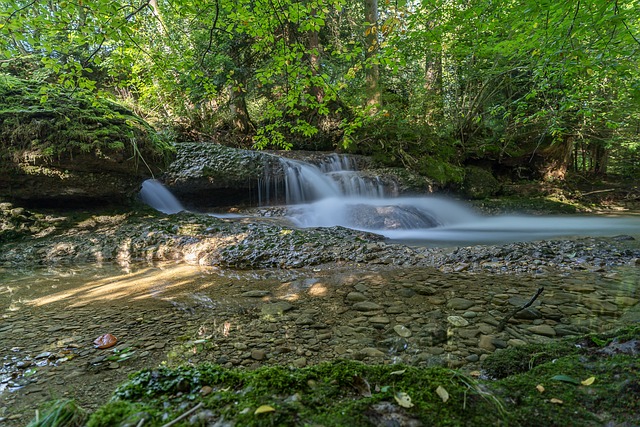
[(255, 294), (402, 331), (355, 297), (460, 303), (457, 321), (545, 330), (276, 308), (366, 306)]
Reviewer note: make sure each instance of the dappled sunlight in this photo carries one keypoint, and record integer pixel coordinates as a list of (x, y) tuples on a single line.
[(145, 283)]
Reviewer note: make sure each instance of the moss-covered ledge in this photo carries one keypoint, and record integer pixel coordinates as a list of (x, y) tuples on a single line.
[(58, 146)]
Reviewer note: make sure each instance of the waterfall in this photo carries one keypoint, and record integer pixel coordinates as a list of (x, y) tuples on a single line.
[(335, 176), (159, 197), (334, 193)]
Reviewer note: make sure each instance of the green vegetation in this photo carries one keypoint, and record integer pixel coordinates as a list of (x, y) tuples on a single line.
[(525, 89), (576, 382), (61, 413), (53, 122)]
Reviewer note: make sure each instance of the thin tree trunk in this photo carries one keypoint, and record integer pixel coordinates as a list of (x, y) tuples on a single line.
[(374, 96)]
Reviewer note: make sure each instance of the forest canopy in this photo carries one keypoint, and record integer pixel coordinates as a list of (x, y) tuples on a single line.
[(530, 88)]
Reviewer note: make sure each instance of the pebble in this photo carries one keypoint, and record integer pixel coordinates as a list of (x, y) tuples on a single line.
[(460, 303), (255, 294), (457, 321), (402, 331), (276, 308), (543, 329), (366, 306), (258, 354)]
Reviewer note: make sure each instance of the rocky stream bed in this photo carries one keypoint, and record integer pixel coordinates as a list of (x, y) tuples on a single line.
[(245, 293)]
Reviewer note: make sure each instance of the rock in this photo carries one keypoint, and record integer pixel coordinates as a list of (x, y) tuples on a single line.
[(255, 294), (600, 306), (300, 362), (355, 297), (366, 306), (73, 150), (258, 354), (479, 183), (528, 314), (460, 303), (276, 309), (402, 331), (379, 319), (368, 352), (457, 321), (543, 329), (424, 290), (303, 320), (486, 342)]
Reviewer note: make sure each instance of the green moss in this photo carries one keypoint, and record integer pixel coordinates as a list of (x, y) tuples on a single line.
[(516, 360), (349, 393), (612, 396), (119, 412), (52, 121), (341, 393)]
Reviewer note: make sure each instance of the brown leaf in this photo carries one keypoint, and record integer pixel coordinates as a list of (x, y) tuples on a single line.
[(540, 388), (556, 401), (362, 385), (105, 341)]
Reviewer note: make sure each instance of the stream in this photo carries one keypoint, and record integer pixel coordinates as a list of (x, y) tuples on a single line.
[(333, 293), (176, 313)]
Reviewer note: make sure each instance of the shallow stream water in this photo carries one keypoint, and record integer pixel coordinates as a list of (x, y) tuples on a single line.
[(184, 314)]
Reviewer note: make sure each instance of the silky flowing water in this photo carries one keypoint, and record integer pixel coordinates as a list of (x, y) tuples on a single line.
[(185, 314)]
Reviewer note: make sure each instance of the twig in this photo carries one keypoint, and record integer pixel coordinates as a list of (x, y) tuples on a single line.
[(140, 423), (504, 321), (598, 191), (183, 416)]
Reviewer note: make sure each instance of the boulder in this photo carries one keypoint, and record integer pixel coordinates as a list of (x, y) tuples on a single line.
[(479, 183), (66, 149), (207, 174)]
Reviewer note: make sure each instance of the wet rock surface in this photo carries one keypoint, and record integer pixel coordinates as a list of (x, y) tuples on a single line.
[(178, 314), (256, 242)]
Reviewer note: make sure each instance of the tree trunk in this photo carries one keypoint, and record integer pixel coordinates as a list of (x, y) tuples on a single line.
[(239, 112), (557, 159), (315, 62), (434, 108), (374, 97)]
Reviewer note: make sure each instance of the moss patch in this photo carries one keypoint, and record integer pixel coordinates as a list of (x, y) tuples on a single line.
[(54, 122), (341, 393), (548, 392)]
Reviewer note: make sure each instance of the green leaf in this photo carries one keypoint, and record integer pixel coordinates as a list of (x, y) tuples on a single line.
[(566, 379)]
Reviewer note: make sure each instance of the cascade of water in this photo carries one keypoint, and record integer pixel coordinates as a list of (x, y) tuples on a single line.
[(335, 175), (334, 194), (159, 197)]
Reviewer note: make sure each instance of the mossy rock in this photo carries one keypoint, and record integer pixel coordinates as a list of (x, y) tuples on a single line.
[(58, 147), (479, 183)]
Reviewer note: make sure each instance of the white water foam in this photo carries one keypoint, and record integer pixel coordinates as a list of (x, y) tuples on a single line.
[(334, 194), (159, 197)]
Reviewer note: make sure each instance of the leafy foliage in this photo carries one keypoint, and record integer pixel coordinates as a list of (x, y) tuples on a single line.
[(543, 85)]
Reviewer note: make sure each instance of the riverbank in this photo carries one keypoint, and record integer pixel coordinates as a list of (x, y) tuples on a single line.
[(246, 293)]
